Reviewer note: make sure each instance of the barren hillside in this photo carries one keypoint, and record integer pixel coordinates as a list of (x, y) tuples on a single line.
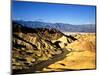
[(43, 50)]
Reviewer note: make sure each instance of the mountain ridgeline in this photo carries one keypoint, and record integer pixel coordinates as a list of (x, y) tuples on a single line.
[(32, 46), (60, 26)]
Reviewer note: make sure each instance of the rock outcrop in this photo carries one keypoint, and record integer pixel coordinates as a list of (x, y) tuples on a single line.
[(31, 46)]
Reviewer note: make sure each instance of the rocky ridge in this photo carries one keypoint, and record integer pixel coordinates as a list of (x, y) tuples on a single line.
[(34, 45)]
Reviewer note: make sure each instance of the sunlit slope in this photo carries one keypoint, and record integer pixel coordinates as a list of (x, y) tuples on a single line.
[(33, 47), (82, 55)]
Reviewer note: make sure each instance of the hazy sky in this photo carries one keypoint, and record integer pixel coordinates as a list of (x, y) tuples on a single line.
[(64, 13)]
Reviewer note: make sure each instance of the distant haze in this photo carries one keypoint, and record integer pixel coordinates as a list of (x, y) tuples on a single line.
[(60, 26)]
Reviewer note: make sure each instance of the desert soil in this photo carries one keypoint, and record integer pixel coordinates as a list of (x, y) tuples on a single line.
[(82, 55)]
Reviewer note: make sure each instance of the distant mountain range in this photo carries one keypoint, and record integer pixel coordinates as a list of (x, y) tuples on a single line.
[(60, 26)]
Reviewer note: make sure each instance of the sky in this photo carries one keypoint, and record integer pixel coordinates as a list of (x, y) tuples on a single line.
[(54, 13)]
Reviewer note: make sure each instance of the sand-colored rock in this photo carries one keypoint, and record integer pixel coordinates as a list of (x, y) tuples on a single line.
[(42, 49), (83, 55)]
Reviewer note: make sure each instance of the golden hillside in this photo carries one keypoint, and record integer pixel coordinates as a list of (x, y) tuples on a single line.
[(32, 48), (82, 55), (45, 50)]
